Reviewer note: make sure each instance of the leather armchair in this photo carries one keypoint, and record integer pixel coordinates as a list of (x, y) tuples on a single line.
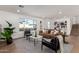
[(27, 34), (53, 44)]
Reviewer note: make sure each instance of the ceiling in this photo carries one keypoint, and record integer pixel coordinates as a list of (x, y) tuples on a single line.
[(44, 10)]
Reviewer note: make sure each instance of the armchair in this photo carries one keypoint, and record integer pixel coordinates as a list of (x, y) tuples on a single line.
[(53, 44), (27, 34)]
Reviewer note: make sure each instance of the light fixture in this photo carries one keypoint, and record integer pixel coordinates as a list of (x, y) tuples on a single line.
[(19, 8), (59, 12)]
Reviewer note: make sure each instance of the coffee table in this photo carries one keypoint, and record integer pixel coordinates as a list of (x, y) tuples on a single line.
[(36, 38)]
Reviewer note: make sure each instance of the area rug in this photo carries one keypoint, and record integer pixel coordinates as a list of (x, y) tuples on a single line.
[(67, 48)]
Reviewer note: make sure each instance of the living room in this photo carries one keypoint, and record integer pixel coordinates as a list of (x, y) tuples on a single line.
[(44, 22)]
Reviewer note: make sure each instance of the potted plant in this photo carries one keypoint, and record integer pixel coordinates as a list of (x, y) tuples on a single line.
[(7, 33)]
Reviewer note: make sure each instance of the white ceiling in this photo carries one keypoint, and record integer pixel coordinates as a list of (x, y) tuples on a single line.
[(44, 10)]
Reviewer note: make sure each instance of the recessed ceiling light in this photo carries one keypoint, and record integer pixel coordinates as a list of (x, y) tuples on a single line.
[(60, 12), (18, 10)]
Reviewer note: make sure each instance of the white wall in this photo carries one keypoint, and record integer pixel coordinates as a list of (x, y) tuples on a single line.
[(45, 23), (69, 26), (75, 19)]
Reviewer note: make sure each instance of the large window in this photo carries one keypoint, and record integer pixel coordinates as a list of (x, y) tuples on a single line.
[(27, 23)]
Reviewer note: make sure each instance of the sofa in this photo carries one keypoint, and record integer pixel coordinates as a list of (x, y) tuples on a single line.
[(49, 33), (53, 33)]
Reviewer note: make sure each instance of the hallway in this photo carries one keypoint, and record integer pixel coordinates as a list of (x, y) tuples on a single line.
[(74, 38), (75, 30)]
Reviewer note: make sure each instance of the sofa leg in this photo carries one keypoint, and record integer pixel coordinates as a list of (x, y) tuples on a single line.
[(29, 39), (55, 51), (41, 46)]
